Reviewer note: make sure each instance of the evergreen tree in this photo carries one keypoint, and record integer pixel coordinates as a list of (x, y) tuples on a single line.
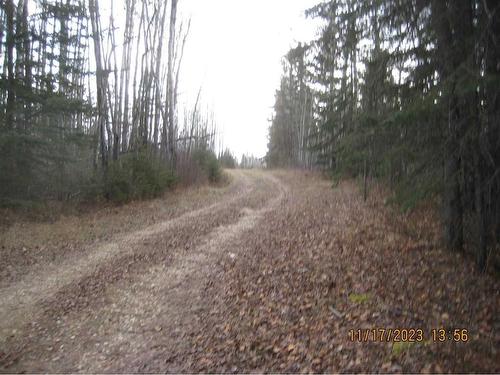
[(407, 91)]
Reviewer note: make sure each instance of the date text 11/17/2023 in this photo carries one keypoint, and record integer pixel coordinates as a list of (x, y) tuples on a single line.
[(408, 335)]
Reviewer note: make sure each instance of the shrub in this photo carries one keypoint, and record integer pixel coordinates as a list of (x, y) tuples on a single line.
[(213, 170), (136, 176), (227, 160), (209, 164), (37, 166)]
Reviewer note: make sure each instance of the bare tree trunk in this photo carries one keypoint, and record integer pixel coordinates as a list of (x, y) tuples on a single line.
[(179, 63), (170, 87), (191, 131), (102, 108), (125, 72), (365, 180), (116, 105), (11, 80), (453, 212), (135, 101), (157, 76)]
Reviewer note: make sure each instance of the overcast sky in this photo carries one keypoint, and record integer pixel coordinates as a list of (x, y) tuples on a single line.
[(234, 52)]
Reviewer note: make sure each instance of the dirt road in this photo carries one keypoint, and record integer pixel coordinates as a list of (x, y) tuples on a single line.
[(268, 273), (95, 310)]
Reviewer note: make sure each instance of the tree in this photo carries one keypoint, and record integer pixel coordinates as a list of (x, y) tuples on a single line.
[(292, 122), (405, 91), (76, 98)]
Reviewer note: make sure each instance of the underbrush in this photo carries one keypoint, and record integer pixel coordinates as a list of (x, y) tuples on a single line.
[(209, 165), (420, 219), (200, 167), (137, 176)]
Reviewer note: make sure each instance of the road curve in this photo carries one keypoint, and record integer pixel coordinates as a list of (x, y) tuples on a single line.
[(94, 312)]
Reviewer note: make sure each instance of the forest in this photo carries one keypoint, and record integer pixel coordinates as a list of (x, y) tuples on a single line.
[(405, 92), (89, 111), (362, 236)]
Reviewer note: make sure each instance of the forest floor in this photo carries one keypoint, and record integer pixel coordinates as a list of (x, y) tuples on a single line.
[(267, 274)]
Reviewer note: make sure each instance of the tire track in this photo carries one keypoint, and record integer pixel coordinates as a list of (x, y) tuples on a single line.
[(23, 301), (150, 319), (20, 298)]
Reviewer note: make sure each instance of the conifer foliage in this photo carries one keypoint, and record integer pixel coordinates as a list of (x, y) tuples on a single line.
[(86, 91), (406, 91)]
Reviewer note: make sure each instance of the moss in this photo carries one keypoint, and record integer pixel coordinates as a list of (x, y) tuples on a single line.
[(401, 347), (359, 298)]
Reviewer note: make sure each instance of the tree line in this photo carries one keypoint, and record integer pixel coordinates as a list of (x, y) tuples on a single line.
[(407, 92), (88, 100)]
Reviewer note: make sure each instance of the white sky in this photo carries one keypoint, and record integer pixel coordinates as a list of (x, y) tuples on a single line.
[(234, 52)]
